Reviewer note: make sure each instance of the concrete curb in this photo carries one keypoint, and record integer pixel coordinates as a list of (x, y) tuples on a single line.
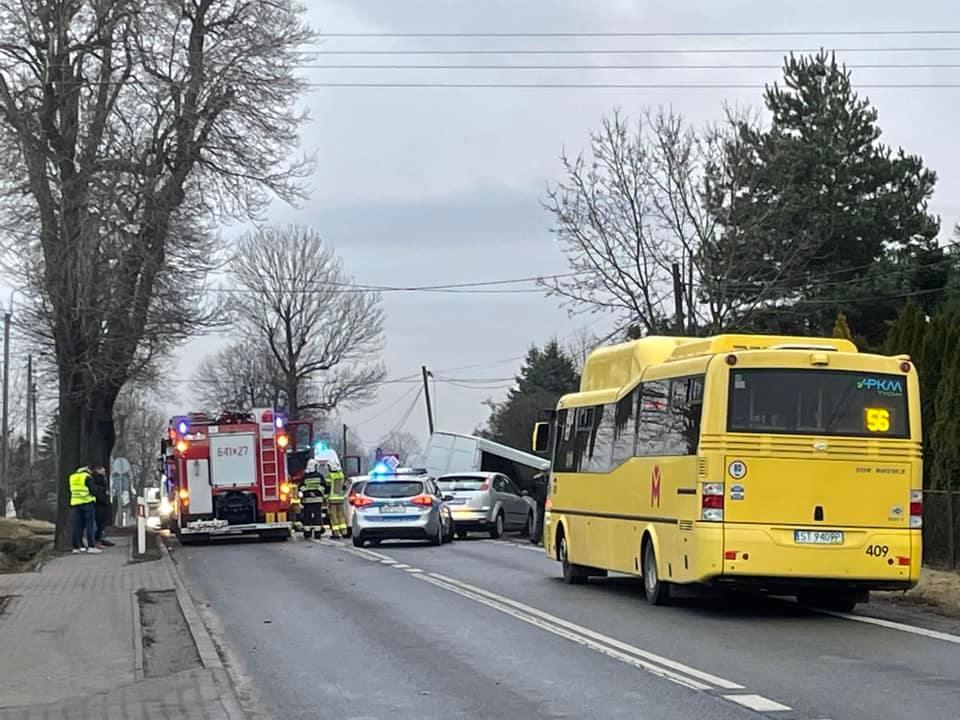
[(137, 637), (209, 657)]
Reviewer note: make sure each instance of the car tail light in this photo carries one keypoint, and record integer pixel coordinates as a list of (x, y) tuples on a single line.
[(422, 500), (485, 485), (711, 502), (359, 501), (916, 508)]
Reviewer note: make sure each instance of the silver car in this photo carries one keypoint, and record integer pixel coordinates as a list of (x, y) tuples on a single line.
[(487, 502), (354, 486), (400, 507)]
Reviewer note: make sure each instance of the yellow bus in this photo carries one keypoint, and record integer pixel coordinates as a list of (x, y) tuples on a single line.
[(789, 465)]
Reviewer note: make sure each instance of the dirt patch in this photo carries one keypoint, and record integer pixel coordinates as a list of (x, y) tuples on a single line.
[(24, 544), (167, 643), (938, 591)]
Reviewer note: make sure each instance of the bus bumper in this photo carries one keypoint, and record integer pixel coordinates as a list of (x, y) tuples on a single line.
[(867, 559)]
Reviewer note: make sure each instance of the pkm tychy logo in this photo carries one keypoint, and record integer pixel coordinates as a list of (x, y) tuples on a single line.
[(881, 386), (655, 486)]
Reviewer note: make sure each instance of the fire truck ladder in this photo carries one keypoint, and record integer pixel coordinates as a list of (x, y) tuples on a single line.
[(268, 469)]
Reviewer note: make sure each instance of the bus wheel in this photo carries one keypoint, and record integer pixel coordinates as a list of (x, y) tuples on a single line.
[(657, 591), (572, 574)]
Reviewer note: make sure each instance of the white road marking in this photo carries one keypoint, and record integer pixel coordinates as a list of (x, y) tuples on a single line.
[(579, 639), (401, 566), (890, 625), (757, 702), (414, 571), (388, 562), (597, 637)]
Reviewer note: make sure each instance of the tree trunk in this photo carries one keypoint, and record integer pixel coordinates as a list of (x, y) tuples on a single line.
[(293, 397), (85, 436)]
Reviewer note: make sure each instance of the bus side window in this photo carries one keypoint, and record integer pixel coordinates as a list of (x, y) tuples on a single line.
[(625, 428), (654, 418), (686, 411), (564, 460), (600, 449)]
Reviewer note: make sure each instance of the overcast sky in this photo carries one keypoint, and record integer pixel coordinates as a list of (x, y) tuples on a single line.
[(427, 186)]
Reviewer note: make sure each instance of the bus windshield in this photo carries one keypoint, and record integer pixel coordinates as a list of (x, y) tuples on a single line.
[(818, 402)]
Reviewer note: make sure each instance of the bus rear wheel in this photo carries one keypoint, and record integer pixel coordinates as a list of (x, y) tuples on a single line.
[(657, 590), (572, 574)]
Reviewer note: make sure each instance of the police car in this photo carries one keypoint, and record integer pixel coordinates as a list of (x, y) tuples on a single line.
[(400, 504)]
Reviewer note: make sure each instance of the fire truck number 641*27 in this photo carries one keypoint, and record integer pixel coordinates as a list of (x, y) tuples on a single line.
[(229, 475)]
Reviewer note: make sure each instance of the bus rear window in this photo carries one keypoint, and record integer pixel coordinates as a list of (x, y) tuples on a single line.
[(818, 402)]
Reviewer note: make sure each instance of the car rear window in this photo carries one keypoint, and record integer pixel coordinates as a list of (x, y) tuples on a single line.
[(463, 484), (818, 402), (393, 489)]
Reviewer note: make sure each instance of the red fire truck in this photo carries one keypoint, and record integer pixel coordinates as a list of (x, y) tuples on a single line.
[(228, 475)]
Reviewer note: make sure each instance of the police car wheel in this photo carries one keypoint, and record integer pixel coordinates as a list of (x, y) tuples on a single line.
[(357, 541)]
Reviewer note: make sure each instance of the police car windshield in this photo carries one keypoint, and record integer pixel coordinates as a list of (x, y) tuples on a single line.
[(393, 489)]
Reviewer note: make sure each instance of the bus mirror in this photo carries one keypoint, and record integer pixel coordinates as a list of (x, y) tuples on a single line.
[(541, 438)]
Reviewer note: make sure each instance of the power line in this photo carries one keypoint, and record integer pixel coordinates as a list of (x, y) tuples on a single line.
[(638, 51), (605, 86), (383, 410), (649, 34), (856, 66)]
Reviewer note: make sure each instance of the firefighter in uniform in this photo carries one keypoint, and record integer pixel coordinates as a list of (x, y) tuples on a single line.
[(313, 492), (338, 519)]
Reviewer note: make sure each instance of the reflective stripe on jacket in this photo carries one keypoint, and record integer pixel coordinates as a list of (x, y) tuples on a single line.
[(79, 492), (336, 485)]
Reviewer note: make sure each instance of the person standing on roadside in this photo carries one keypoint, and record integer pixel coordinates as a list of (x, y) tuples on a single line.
[(82, 501), (103, 510)]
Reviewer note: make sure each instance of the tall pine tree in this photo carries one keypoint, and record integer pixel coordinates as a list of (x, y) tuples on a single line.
[(839, 219)]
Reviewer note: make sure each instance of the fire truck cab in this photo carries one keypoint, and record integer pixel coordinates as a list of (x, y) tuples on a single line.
[(228, 475)]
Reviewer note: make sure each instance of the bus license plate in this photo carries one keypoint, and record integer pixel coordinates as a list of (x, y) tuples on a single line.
[(817, 537), (391, 509)]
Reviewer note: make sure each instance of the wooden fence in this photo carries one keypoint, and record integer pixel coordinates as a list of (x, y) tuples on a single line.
[(941, 529)]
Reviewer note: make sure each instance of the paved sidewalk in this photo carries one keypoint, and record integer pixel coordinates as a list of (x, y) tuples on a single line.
[(68, 651)]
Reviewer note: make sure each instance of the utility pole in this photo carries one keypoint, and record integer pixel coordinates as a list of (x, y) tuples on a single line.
[(5, 429), (36, 426), (678, 296), (30, 438), (426, 392), (344, 446)]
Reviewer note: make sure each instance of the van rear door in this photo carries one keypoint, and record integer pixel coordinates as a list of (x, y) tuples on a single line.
[(817, 447)]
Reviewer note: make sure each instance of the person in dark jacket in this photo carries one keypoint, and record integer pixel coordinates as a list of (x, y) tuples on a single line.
[(103, 508), (541, 488)]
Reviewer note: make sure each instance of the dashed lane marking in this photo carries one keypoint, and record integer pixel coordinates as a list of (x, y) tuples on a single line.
[(658, 665), (757, 703)]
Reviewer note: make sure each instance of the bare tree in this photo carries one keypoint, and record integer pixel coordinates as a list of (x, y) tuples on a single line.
[(325, 333), (632, 209), (239, 376), (127, 130), (140, 427)]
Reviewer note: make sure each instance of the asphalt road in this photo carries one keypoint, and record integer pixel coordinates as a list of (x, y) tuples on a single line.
[(481, 629)]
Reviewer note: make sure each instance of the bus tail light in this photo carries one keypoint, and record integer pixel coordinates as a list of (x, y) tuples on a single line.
[(711, 502), (916, 508)]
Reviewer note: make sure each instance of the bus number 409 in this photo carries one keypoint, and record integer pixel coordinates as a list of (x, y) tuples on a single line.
[(878, 550)]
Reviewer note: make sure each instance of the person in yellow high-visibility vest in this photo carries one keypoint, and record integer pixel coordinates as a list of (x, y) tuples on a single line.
[(338, 518), (82, 502)]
